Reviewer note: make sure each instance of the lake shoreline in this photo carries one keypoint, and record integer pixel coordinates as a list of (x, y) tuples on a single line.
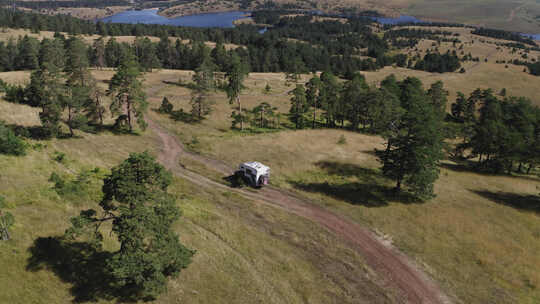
[(230, 18)]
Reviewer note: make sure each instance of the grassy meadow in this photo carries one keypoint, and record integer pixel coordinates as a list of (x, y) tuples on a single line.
[(517, 15), (479, 237), (246, 252)]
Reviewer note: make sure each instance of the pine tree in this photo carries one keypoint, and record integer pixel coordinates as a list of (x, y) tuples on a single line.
[(204, 83), (164, 52), (127, 92), (142, 212), (414, 145), (261, 110), (298, 105), (439, 97), (98, 58), (79, 82), (94, 108), (329, 96), (28, 54), (145, 51), (312, 96), (112, 53), (52, 52), (237, 73), (166, 106), (47, 91), (220, 56), (354, 101)]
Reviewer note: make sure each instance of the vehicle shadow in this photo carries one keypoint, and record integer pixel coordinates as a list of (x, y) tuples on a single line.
[(371, 189)]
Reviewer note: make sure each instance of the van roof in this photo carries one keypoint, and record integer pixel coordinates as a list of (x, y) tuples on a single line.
[(256, 165)]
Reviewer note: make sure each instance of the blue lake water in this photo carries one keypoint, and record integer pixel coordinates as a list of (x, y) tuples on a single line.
[(150, 16), (398, 20), (411, 19), (223, 20)]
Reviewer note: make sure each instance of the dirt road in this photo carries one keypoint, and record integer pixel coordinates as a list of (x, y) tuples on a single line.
[(397, 271)]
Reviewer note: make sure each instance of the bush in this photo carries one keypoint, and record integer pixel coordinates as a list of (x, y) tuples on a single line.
[(60, 157), (166, 106), (15, 94), (10, 143), (83, 187)]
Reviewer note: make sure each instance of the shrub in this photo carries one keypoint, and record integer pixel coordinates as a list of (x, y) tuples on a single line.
[(10, 143), (166, 106), (60, 157)]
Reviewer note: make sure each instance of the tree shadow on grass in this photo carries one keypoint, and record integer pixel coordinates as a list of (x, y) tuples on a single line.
[(31, 132), (514, 200), (79, 264), (369, 191), (95, 128), (40, 133), (469, 166), (188, 85)]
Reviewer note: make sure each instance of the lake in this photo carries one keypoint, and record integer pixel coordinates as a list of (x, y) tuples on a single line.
[(150, 16), (411, 19), (223, 20)]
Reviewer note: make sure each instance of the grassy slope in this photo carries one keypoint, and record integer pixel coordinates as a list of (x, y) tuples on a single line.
[(516, 15), (246, 252), (481, 250), (469, 238)]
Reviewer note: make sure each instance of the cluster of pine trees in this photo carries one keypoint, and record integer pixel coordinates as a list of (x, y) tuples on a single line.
[(501, 34), (502, 133), (407, 116), (331, 45), (435, 62), (65, 91)]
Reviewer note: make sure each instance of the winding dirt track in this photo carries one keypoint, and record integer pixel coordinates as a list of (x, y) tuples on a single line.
[(396, 270)]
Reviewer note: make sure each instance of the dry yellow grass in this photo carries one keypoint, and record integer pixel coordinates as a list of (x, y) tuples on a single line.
[(246, 252), (486, 75), (470, 238), (16, 77), (479, 249)]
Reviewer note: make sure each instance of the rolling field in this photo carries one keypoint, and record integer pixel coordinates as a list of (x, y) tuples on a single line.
[(246, 252), (511, 15), (474, 237), (478, 239)]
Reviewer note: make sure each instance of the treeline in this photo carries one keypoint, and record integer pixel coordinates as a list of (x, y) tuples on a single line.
[(37, 5), (500, 34), (409, 117), (409, 37), (502, 133), (435, 62), (67, 94), (294, 45)]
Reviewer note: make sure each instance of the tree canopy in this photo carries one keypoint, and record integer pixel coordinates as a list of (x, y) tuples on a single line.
[(142, 212)]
